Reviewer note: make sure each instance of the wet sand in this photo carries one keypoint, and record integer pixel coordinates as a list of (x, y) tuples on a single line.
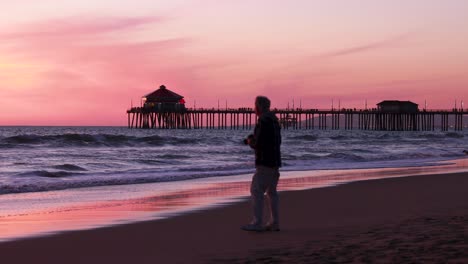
[(410, 219)]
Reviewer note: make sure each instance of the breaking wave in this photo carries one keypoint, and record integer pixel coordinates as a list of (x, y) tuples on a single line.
[(69, 167), (88, 140), (48, 174)]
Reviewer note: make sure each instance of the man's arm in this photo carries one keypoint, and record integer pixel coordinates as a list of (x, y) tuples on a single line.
[(259, 135), (253, 141)]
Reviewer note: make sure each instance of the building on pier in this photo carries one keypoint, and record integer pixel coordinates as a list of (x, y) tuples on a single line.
[(393, 106), (163, 100)]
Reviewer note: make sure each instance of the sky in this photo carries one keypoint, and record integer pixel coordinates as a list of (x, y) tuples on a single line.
[(86, 62)]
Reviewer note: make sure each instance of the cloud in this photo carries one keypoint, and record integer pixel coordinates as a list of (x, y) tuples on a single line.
[(84, 45), (77, 26), (366, 47), (76, 43)]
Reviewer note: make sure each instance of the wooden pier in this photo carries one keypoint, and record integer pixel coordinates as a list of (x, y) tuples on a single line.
[(348, 119)]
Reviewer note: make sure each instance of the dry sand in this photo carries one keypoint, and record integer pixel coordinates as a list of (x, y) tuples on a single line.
[(416, 219)]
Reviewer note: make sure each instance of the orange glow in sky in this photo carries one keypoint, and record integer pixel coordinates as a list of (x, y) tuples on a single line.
[(83, 63)]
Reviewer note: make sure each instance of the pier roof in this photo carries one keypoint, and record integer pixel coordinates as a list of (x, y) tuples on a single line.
[(163, 95), (396, 102), (394, 106)]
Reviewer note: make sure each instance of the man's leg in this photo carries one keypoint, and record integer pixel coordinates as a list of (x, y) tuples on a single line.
[(273, 199), (257, 192)]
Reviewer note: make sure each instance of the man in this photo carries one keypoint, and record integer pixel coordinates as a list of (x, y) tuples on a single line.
[(266, 142)]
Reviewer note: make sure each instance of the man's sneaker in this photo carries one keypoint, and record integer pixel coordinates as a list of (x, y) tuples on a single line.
[(251, 227), (272, 227)]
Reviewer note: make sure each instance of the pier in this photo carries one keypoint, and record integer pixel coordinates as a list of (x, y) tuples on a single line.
[(348, 119), (165, 109)]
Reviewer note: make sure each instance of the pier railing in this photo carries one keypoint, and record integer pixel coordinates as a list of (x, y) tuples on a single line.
[(298, 118)]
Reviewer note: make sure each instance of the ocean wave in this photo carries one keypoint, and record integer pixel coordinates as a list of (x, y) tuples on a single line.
[(441, 135), (49, 174), (346, 156), (364, 156), (392, 136), (305, 137), (22, 139), (405, 156), (431, 136), (151, 161), (65, 139), (173, 156), (69, 167), (329, 156), (362, 150), (339, 137), (218, 169), (150, 140), (183, 141), (454, 135), (89, 140), (117, 179)]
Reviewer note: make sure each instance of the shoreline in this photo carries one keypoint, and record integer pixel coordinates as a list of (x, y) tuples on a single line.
[(102, 207), (323, 220)]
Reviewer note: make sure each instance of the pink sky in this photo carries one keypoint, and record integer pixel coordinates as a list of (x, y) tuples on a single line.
[(82, 63)]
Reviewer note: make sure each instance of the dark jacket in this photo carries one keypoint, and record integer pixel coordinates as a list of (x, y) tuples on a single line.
[(267, 141)]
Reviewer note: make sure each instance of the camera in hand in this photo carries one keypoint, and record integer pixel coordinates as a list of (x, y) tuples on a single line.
[(250, 137)]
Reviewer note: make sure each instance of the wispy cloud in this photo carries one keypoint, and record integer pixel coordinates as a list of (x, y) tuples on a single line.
[(74, 41), (366, 47), (77, 26)]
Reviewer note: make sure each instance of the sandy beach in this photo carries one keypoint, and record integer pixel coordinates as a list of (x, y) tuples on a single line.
[(398, 220)]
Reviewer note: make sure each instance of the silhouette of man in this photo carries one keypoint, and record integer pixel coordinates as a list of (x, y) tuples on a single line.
[(266, 142)]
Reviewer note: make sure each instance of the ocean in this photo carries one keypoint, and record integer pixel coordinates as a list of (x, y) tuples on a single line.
[(38, 159)]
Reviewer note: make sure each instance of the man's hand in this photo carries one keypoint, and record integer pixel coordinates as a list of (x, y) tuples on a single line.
[(251, 141)]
